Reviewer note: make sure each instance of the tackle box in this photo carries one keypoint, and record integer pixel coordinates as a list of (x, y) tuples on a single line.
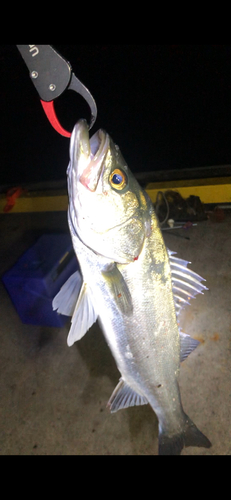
[(37, 277)]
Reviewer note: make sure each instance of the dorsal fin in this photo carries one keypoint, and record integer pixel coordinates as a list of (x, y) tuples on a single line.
[(185, 283), (187, 345)]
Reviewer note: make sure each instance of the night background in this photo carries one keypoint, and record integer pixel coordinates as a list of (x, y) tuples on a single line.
[(166, 106)]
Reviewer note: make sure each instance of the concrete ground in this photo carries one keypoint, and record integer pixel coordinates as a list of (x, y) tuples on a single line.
[(53, 397)]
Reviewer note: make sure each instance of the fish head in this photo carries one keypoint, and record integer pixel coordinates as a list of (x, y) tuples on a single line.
[(109, 211)]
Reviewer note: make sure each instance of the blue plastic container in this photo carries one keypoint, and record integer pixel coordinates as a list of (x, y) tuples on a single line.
[(37, 277)]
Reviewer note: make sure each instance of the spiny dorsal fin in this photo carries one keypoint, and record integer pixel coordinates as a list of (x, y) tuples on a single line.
[(185, 283), (124, 396)]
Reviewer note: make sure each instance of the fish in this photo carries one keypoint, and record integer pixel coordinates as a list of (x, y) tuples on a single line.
[(131, 283)]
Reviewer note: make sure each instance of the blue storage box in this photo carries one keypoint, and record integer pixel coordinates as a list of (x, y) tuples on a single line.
[(37, 277)]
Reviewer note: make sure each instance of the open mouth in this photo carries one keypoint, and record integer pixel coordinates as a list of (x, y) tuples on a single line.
[(93, 152)]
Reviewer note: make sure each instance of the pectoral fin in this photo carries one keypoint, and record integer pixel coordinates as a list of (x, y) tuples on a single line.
[(83, 317), (118, 289)]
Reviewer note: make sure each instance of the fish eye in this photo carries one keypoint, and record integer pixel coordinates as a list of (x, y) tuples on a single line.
[(118, 179)]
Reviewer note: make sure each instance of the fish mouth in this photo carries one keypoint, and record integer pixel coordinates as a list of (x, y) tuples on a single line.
[(90, 154)]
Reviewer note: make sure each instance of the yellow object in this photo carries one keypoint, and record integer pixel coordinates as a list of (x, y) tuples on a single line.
[(211, 190), (37, 203)]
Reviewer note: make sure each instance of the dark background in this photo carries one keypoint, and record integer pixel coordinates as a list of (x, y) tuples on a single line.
[(166, 106)]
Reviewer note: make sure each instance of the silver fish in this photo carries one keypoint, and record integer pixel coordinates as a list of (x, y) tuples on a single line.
[(130, 282)]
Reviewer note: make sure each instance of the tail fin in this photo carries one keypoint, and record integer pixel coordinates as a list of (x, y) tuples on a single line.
[(190, 436)]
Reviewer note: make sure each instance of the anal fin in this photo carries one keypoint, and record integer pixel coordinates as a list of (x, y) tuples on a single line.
[(124, 396)]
